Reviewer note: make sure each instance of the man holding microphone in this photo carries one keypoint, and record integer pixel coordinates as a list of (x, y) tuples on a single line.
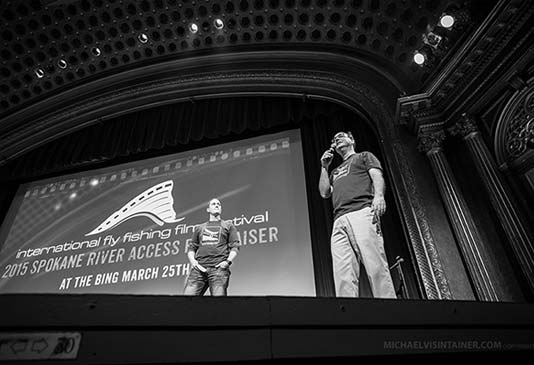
[(357, 189)]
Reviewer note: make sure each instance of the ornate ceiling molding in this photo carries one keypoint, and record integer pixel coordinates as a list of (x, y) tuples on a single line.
[(50, 46), (473, 68)]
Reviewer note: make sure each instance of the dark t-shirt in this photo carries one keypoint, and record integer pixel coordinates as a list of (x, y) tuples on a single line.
[(212, 242), (352, 184)]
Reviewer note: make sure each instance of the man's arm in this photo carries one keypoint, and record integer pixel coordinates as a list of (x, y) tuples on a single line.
[(325, 189), (379, 203), (233, 243), (194, 263), (233, 254), (191, 251)]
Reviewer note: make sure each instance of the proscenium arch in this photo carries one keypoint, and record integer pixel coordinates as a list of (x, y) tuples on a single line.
[(294, 74), (178, 80)]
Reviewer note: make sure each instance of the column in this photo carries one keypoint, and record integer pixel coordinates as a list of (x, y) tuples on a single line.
[(519, 235), (465, 230)]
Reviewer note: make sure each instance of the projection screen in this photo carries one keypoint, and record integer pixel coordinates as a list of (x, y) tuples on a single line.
[(124, 229)]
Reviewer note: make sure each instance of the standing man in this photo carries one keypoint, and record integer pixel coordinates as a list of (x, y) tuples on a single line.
[(357, 189), (214, 246)]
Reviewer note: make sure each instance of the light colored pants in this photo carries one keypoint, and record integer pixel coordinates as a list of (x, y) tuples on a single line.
[(355, 239)]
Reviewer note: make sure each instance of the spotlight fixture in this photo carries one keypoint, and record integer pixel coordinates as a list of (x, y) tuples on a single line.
[(193, 28), (419, 57), (432, 39), (62, 64), (143, 38), (218, 23), (455, 18), (39, 72), (96, 51), (446, 21)]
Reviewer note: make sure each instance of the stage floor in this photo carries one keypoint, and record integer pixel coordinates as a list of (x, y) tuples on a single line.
[(108, 329)]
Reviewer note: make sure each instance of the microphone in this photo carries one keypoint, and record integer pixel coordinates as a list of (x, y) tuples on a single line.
[(332, 148)]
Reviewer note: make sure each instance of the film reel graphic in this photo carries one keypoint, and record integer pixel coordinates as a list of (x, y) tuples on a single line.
[(155, 203)]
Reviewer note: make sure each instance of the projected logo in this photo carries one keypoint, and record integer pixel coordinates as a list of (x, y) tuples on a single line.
[(155, 203)]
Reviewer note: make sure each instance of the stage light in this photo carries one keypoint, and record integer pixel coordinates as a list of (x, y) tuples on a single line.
[(62, 64), (446, 21), (143, 38), (93, 182), (39, 72), (218, 23), (96, 51), (419, 58), (193, 28), (432, 39)]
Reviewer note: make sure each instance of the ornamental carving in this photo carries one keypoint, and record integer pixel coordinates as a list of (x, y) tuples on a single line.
[(464, 127), (515, 129), (430, 141)]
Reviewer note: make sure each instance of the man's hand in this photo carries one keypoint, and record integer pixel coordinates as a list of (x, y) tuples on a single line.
[(326, 158), (195, 264), (378, 206), (223, 265)]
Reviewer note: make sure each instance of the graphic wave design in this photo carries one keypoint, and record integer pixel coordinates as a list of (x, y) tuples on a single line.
[(155, 203)]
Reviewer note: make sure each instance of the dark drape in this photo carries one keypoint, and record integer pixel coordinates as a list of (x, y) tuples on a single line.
[(194, 124), (165, 129)]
